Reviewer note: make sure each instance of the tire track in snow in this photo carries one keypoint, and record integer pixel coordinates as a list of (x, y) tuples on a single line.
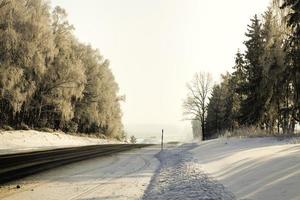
[(92, 189), (27, 180)]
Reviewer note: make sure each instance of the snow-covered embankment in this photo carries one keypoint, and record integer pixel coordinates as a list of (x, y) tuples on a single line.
[(256, 169), (18, 141)]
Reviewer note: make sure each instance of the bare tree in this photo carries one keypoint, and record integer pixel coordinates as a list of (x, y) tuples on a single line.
[(195, 105)]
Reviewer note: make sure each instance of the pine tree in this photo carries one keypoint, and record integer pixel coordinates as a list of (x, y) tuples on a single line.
[(293, 56), (264, 88), (238, 83), (273, 83), (215, 113), (252, 106), (223, 107)]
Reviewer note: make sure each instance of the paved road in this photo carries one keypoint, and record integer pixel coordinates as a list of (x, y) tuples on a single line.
[(122, 176), (16, 166)]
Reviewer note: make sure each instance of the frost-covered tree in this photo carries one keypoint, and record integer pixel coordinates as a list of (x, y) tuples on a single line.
[(293, 55), (48, 78), (65, 79), (99, 109), (195, 105), (263, 89), (26, 52)]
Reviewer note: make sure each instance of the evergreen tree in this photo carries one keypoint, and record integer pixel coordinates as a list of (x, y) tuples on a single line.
[(238, 83), (264, 88), (293, 56), (222, 108), (273, 83), (252, 106), (215, 113)]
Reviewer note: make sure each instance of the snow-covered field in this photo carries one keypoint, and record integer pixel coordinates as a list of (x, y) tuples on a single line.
[(16, 141), (253, 168)]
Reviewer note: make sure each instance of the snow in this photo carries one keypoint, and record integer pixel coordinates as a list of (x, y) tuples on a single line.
[(222, 169), (181, 177), (253, 168), (18, 141), (138, 174)]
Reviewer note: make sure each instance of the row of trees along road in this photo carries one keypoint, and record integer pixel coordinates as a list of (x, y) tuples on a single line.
[(264, 88), (48, 78)]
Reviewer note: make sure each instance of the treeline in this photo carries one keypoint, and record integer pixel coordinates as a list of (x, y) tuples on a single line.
[(48, 78), (264, 88)]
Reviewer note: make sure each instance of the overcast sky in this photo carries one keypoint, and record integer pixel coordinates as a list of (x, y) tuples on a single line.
[(155, 46)]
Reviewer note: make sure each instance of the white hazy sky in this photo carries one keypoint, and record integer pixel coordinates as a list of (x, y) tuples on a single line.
[(155, 46)]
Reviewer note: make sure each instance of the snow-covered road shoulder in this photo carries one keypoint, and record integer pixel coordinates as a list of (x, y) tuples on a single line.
[(181, 177), (21, 140)]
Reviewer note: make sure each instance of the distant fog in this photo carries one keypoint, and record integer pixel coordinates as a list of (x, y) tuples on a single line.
[(151, 133)]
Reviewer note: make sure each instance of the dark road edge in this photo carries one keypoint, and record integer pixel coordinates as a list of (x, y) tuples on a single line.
[(19, 165)]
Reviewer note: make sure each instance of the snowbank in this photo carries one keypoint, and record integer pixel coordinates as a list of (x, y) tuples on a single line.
[(253, 168), (181, 177), (16, 141)]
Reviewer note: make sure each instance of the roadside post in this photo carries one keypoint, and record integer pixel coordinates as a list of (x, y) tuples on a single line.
[(162, 139)]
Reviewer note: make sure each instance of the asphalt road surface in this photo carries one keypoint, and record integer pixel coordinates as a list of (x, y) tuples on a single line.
[(124, 175)]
